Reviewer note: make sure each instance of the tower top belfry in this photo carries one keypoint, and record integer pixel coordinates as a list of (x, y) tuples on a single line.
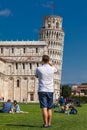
[(53, 22)]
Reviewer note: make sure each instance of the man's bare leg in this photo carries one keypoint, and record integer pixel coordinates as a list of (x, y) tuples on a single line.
[(45, 116), (49, 116)]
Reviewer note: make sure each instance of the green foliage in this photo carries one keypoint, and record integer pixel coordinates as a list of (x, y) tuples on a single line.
[(84, 84), (83, 99), (33, 120), (66, 91), (85, 92)]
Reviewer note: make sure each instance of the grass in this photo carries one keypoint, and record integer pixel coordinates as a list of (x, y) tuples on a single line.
[(33, 120)]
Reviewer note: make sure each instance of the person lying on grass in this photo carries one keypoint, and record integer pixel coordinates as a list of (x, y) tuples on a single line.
[(64, 109), (67, 110), (73, 110)]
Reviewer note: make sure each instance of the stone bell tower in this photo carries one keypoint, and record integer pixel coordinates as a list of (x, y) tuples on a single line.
[(53, 33)]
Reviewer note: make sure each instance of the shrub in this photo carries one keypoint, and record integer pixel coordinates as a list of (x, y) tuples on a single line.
[(82, 99)]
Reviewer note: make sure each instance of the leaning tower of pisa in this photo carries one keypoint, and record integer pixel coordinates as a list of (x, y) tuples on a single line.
[(53, 33)]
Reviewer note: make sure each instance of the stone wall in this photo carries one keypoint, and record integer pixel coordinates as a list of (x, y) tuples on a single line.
[(18, 62)]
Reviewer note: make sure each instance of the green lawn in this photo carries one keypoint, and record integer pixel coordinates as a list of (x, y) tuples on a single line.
[(33, 120)]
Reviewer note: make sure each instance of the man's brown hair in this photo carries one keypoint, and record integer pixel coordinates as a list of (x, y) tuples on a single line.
[(45, 58)]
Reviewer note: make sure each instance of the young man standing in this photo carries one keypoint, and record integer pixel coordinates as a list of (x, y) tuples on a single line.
[(45, 90)]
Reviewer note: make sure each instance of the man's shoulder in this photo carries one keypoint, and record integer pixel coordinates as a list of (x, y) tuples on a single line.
[(40, 67), (8, 103)]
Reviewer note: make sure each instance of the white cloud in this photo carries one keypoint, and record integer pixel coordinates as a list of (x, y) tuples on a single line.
[(5, 12), (48, 4)]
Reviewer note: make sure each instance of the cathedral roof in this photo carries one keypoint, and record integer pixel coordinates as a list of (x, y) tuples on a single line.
[(22, 43), (22, 59)]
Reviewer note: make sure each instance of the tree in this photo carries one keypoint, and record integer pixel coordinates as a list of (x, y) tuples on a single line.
[(85, 92), (66, 91), (84, 84)]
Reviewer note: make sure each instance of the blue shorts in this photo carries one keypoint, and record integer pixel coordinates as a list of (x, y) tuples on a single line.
[(46, 99)]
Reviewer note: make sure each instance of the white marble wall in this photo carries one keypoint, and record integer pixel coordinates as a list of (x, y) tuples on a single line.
[(18, 61)]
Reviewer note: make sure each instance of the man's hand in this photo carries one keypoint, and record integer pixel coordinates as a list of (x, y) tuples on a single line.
[(50, 64)]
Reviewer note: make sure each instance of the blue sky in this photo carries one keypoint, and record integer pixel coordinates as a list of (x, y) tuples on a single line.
[(21, 20)]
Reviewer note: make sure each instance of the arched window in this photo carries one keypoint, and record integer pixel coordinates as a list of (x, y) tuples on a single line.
[(23, 50), (36, 50), (52, 33), (23, 66), (57, 24), (18, 83), (53, 20), (30, 66), (12, 50), (49, 25), (57, 35), (1, 50), (16, 65), (47, 33), (31, 97)]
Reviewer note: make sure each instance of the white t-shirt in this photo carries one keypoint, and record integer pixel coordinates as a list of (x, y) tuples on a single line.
[(45, 77)]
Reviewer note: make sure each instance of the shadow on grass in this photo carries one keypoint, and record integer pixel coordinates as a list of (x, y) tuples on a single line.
[(22, 125)]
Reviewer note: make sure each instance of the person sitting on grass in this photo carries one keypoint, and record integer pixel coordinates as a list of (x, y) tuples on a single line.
[(77, 103), (61, 101), (7, 106), (73, 110), (16, 108)]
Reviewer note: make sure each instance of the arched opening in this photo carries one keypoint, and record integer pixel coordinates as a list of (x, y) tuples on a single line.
[(31, 97), (57, 24), (18, 83)]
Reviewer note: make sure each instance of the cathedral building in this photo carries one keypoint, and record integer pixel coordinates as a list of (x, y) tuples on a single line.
[(19, 60)]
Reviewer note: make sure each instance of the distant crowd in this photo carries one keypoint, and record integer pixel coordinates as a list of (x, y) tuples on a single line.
[(67, 105), (64, 105)]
